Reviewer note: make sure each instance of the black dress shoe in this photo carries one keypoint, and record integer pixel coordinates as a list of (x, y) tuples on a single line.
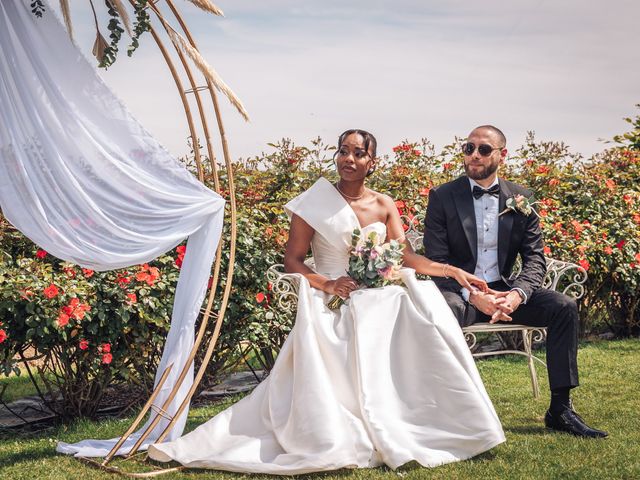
[(568, 421)]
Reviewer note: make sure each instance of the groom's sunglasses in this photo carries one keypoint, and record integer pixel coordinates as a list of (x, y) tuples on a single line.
[(484, 149)]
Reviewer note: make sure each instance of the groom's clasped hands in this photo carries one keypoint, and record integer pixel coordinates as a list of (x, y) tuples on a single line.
[(498, 305)]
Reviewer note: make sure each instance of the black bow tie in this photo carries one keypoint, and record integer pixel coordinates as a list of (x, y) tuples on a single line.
[(478, 192)]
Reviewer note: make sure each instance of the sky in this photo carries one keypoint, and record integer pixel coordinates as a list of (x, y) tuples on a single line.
[(403, 69)]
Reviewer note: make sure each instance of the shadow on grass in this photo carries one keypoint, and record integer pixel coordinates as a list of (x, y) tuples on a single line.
[(528, 430), (28, 455)]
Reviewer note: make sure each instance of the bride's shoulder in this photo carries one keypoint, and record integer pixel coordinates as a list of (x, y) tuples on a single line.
[(383, 199)]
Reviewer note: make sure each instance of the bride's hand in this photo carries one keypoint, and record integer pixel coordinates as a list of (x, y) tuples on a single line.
[(342, 286), (468, 281)]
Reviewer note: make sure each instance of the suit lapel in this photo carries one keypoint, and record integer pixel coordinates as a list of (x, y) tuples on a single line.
[(505, 223), (464, 205)]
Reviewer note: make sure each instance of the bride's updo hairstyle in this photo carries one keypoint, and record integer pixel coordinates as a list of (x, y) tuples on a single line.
[(370, 142)]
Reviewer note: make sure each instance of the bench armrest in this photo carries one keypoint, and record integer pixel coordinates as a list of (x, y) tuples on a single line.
[(284, 286)]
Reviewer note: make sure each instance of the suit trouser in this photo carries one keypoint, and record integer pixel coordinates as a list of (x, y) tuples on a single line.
[(546, 308)]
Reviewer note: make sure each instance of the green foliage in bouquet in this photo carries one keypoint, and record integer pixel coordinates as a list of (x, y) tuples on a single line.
[(373, 263)]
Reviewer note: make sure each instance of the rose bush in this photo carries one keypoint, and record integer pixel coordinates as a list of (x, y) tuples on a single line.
[(589, 209), (86, 329), (94, 328)]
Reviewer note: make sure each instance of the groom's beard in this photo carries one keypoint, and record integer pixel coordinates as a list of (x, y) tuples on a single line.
[(481, 173)]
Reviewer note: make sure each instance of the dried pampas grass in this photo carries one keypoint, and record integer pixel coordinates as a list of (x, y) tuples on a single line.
[(99, 46), (207, 6), (206, 69), (66, 14), (122, 13)]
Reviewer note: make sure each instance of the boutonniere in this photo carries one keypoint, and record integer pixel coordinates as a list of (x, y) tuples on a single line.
[(519, 204)]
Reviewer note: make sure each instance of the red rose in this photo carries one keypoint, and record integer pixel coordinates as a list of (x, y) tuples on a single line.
[(51, 291), (260, 297), (87, 272), (62, 320), (41, 253), (70, 271), (637, 257), (181, 249), (105, 348), (3, 335), (547, 250), (424, 192), (84, 344), (447, 166), (79, 312), (608, 250), (620, 244), (133, 298), (148, 274), (584, 264), (106, 358), (123, 280)]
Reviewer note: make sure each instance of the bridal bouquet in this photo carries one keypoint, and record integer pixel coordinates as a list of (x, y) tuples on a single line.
[(371, 262)]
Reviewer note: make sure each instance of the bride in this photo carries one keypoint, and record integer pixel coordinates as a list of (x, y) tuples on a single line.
[(386, 379)]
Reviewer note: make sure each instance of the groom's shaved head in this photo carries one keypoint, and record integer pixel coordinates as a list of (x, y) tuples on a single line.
[(496, 131)]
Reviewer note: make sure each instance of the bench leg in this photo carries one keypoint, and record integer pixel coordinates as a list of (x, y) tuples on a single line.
[(527, 340)]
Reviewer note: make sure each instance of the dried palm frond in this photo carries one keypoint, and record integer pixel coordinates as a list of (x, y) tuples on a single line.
[(206, 69), (207, 6), (66, 14), (122, 13), (99, 46)]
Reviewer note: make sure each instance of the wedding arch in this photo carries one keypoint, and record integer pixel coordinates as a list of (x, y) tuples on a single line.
[(83, 179)]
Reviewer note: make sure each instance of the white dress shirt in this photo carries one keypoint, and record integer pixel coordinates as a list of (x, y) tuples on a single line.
[(486, 211)]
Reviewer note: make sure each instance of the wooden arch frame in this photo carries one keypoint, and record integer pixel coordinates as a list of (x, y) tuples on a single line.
[(158, 412)]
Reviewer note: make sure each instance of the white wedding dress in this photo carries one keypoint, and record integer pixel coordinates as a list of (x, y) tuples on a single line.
[(387, 379)]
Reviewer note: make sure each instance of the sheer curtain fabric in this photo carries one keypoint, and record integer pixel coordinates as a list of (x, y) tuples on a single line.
[(84, 180)]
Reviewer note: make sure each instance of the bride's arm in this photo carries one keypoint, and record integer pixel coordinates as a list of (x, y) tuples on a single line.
[(300, 235), (422, 264)]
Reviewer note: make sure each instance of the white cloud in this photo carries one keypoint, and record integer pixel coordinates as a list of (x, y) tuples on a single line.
[(404, 69)]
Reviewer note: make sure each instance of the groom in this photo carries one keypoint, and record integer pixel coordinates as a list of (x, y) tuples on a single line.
[(464, 227)]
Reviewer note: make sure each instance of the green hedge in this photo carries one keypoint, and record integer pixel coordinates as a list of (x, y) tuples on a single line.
[(589, 208)]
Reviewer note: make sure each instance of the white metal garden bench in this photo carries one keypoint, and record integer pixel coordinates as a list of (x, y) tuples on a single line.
[(564, 277)]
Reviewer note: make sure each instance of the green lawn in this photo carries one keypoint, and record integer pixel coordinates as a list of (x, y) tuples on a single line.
[(18, 386), (609, 398)]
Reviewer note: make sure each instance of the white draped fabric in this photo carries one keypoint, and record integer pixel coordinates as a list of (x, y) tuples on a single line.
[(81, 178), (386, 379)]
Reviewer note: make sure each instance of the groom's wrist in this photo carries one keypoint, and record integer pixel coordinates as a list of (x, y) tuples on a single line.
[(465, 294)]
